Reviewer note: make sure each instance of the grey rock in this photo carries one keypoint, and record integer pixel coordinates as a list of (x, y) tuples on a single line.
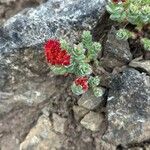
[(102, 145), (41, 136), (59, 123), (79, 112), (24, 81), (135, 148), (128, 108), (141, 64), (89, 101), (115, 51), (147, 147), (2, 9), (7, 1), (92, 121), (52, 19)]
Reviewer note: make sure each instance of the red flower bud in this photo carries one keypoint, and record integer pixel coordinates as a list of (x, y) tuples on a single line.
[(83, 81)]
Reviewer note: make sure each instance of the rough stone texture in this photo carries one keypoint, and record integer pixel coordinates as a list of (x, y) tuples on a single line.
[(7, 1), (135, 148), (89, 101), (42, 137), (50, 20), (102, 145), (128, 108), (92, 121), (139, 63), (147, 147), (24, 81), (79, 112), (116, 52), (59, 123)]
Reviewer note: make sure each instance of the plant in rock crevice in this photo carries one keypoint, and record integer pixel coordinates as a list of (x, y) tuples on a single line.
[(65, 59), (136, 12)]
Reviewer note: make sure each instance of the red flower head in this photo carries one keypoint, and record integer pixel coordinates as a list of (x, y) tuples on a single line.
[(83, 81), (55, 55)]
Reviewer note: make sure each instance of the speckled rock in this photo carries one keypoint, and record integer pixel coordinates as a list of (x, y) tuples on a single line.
[(89, 101), (147, 147), (50, 20), (128, 108), (136, 148), (59, 123), (79, 112), (102, 145), (116, 52), (42, 137), (139, 63), (24, 81), (92, 121)]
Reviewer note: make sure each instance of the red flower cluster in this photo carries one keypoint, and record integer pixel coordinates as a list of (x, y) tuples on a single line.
[(117, 1), (55, 55), (83, 82)]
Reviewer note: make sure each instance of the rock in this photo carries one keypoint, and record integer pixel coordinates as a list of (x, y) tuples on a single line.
[(147, 147), (2, 9), (116, 52), (141, 64), (7, 1), (135, 148), (92, 121), (102, 145), (59, 123), (89, 101), (128, 108), (52, 19), (79, 112), (42, 137)]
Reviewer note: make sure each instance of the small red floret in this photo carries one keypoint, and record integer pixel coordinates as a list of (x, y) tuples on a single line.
[(55, 55), (83, 81)]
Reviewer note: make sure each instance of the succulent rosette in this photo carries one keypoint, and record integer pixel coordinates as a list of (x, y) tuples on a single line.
[(64, 58), (135, 12), (123, 34)]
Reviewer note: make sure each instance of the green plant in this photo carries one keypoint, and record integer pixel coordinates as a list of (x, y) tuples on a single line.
[(136, 12), (65, 59)]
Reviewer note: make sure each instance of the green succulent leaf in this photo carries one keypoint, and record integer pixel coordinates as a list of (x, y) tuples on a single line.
[(59, 70), (87, 40), (123, 34), (98, 92), (94, 81), (77, 89), (84, 69), (65, 45), (146, 43)]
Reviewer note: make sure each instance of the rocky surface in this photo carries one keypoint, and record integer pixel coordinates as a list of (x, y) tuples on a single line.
[(89, 101), (26, 84), (92, 121), (128, 108), (37, 110), (50, 20), (59, 123), (116, 52), (139, 63), (79, 112), (102, 145), (42, 137)]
